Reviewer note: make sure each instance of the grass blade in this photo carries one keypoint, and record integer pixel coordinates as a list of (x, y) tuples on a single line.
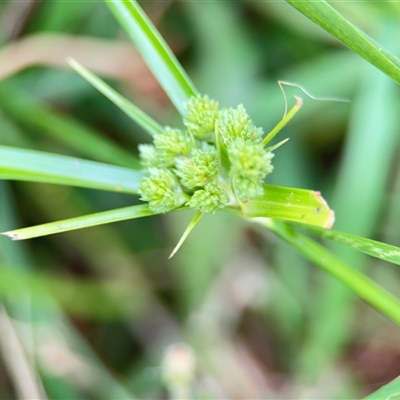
[(361, 285), (300, 205), (154, 51), (329, 19), (36, 166), (139, 116), (85, 221), (384, 251), (358, 197)]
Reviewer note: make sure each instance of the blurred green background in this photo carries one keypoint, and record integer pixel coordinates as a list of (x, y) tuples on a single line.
[(92, 313)]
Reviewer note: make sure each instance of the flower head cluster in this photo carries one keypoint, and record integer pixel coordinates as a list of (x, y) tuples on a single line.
[(201, 115), (161, 189), (217, 160), (167, 146)]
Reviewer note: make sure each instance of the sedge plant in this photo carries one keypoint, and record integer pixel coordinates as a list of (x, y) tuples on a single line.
[(217, 161)]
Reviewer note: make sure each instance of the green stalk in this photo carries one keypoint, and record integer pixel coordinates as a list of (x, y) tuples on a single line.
[(281, 124)]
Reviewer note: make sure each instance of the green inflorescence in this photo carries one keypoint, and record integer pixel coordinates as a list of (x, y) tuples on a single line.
[(217, 160)]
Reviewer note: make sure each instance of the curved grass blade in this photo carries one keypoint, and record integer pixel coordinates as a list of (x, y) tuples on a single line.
[(299, 205), (383, 251), (361, 285), (154, 51), (133, 112), (321, 13), (37, 166), (85, 221)]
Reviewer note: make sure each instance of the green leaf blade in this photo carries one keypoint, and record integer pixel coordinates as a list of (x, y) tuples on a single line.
[(37, 166), (299, 205), (154, 51), (360, 284), (383, 251), (321, 13), (85, 221), (135, 113)]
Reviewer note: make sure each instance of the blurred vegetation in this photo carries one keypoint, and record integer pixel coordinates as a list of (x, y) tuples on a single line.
[(91, 313)]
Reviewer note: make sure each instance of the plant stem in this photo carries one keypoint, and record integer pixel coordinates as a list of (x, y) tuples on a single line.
[(286, 118)]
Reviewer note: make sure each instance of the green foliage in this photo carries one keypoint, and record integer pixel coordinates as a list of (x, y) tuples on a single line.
[(216, 292), (324, 15)]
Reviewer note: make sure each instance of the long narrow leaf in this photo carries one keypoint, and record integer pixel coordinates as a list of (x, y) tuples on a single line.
[(371, 247), (361, 285), (299, 205), (36, 166), (358, 197), (154, 51), (139, 116), (85, 221), (329, 19)]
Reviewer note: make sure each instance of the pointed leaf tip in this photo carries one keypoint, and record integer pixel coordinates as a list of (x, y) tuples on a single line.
[(186, 233)]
